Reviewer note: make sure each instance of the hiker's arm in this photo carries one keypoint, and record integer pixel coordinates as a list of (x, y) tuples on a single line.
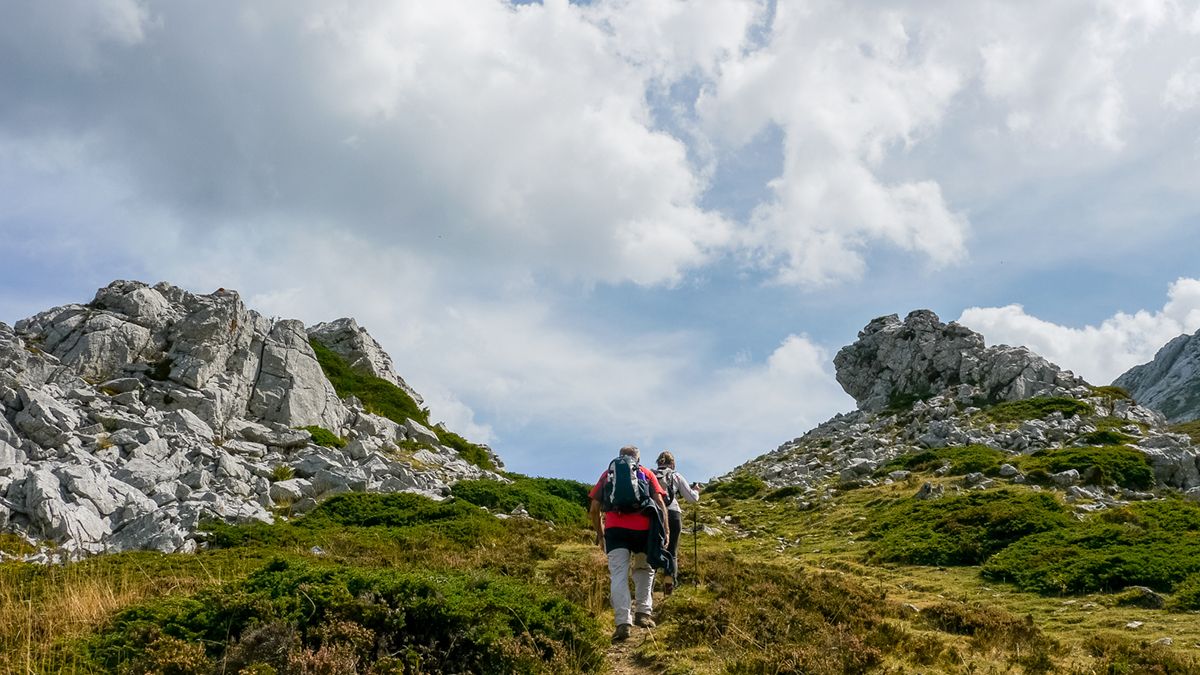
[(689, 493), (662, 512), (597, 522)]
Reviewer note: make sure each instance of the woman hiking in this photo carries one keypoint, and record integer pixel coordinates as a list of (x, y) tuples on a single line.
[(674, 484)]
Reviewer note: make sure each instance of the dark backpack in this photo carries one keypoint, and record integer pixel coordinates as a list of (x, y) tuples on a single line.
[(626, 490), (666, 481)]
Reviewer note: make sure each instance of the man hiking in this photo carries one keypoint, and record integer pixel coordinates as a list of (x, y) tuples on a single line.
[(628, 493)]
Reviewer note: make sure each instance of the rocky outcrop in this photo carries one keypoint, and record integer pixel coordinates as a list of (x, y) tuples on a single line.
[(128, 421), (921, 385), (1170, 383), (347, 339), (897, 361)]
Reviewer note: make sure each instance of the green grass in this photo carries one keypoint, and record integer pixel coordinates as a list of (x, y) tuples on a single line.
[(962, 460), (1190, 428), (385, 399), (1153, 544), (325, 437), (1104, 465), (961, 530), (1036, 409)]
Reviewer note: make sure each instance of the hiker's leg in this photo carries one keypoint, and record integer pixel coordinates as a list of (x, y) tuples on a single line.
[(675, 526), (618, 571), (643, 583)]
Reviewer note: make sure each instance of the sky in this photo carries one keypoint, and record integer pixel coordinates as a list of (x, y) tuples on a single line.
[(577, 226)]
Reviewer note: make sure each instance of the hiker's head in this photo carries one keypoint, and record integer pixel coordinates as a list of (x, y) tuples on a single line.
[(666, 460), (631, 451)]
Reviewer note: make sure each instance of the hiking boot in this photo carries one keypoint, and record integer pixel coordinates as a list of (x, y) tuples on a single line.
[(642, 619), (668, 588), (622, 633)]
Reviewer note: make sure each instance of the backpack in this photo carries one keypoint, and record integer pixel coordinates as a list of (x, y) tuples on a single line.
[(625, 490), (666, 481)]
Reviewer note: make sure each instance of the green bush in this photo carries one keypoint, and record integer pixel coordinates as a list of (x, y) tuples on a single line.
[(1102, 437), (539, 502), (325, 437), (1036, 409), (433, 621), (282, 472), (961, 530), (1104, 465), (1111, 392), (962, 459), (783, 493), (1153, 544), (473, 453), (743, 485), (1186, 597)]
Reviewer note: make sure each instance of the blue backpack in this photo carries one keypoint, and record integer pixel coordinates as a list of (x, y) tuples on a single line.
[(626, 490)]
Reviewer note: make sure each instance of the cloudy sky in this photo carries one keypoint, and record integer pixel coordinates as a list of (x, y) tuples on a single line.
[(580, 225)]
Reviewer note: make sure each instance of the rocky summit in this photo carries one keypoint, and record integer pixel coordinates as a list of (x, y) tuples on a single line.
[(923, 386), (129, 421), (1170, 383)]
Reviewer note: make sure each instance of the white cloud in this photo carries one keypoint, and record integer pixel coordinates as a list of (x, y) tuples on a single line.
[(1183, 88), (1098, 353)]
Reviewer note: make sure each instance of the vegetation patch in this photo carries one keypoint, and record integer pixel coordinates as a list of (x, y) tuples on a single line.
[(1036, 409), (1103, 437), (961, 530), (899, 402), (962, 460), (1152, 544), (783, 493), (402, 620), (539, 496), (1190, 428), (1117, 654), (1187, 594), (992, 628), (1112, 393), (742, 485), (1105, 465), (324, 437), (385, 399)]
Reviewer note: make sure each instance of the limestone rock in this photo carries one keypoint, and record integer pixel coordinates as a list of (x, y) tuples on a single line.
[(894, 361), (291, 388), (1170, 383)]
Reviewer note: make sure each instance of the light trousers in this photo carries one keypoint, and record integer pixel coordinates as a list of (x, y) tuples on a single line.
[(620, 565)]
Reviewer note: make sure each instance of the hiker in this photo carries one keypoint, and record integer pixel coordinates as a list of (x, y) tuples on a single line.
[(674, 484), (629, 493)]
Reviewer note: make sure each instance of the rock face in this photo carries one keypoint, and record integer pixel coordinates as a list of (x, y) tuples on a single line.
[(127, 421), (1170, 383), (898, 362), (921, 385)]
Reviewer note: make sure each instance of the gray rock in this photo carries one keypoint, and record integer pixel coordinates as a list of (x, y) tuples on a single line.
[(144, 474), (894, 361), (930, 491), (290, 387), (1008, 471), (44, 419), (421, 434), (292, 490), (185, 422), (1065, 478), (1170, 383)]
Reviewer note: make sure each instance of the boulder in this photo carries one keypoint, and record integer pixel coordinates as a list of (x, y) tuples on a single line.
[(420, 433), (894, 362), (291, 388), (44, 418)]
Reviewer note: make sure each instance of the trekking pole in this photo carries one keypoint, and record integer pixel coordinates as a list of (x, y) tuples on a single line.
[(696, 542)]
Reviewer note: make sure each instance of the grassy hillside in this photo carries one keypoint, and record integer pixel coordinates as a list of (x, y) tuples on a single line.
[(867, 580)]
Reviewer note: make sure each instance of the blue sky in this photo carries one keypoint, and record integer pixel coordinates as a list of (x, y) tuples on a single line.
[(576, 226)]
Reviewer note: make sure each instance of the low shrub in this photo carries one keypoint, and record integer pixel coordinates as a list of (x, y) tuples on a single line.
[(962, 460), (1036, 409), (433, 621), (1103, 437), (282, 472), (961, 530), (324, 437), (742, 485), (1119, 655), (471, 452), (377, 394), (1186, 597), (989, 627), (783, 493), (1152, 544), (1105, 465), (1111, 392), (539, 501)]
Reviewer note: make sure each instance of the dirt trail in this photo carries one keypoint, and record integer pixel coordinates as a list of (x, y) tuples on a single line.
[(620, 656)]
